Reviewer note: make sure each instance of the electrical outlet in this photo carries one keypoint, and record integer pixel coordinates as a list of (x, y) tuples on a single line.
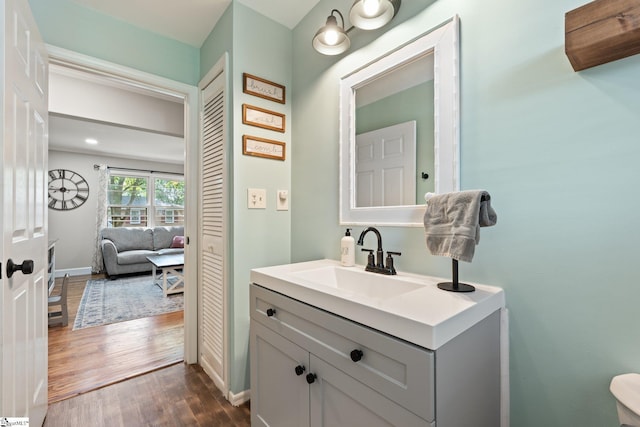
[(257, 198)]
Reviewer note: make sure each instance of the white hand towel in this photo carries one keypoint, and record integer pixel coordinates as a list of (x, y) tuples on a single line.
[(452, 222)]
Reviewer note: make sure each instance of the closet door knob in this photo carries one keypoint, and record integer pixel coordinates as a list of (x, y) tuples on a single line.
[(300, 370), (271, 312), (311, 378), (356, 355)]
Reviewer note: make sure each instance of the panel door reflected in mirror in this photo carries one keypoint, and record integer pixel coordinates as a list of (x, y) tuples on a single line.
[(395, 136)]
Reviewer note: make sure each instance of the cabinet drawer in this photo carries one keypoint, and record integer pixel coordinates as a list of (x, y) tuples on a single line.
[(400, 371)]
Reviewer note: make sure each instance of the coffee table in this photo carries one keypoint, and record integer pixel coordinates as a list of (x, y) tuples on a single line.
[(169, 264)]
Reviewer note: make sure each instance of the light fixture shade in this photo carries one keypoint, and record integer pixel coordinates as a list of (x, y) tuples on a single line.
[(366, 17), (331, 39)]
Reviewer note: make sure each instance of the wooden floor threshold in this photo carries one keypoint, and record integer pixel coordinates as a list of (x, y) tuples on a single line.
[(97, 386)]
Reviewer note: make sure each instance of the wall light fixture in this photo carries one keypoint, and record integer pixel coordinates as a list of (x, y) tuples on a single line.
[(332, 39)]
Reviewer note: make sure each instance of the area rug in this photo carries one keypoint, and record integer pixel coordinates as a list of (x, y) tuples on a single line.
[(106, 301)]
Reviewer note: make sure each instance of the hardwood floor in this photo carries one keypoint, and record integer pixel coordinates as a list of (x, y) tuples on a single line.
[(90, 358), (180, 395)]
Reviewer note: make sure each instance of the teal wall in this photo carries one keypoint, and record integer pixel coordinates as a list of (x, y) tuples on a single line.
[(259, 237), (219, 41), (65, 24), (558, 151)]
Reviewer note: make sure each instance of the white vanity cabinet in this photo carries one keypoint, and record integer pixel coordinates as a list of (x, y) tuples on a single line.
[(303, 372), (311, 367)]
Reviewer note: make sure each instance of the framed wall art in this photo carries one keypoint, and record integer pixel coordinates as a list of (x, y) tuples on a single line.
[(261, 147), (262, 88), (262, 118)]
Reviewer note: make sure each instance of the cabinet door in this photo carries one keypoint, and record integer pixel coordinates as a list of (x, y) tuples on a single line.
[(279, 396), (338, 400)]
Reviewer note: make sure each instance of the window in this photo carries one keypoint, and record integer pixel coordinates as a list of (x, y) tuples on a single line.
[(135, 215), (168, 200), (144, 200), (168, 216)]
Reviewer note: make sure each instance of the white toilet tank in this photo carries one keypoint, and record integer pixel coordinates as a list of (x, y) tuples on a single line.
[(626, 389)]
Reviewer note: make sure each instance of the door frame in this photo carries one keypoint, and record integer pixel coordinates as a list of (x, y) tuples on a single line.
[(190, 95)]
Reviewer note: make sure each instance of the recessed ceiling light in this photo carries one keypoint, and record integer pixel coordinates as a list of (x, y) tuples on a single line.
[(91, 141)]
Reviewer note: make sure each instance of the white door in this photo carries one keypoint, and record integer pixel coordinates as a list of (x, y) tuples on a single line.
[(213, 239), (386, 166), (23, 296)]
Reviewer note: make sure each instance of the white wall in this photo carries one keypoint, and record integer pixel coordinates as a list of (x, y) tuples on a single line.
[(74, 230), (71, 93)]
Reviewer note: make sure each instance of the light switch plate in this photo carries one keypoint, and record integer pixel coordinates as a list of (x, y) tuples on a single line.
[(282, 200), (257, 198)]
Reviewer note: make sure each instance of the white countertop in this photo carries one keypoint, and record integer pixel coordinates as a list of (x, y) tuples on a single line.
[(427, 316)]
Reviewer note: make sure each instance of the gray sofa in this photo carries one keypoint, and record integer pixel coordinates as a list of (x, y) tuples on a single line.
[(125, 249)]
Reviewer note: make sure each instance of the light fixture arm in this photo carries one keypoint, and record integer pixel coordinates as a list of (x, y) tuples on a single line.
[(341, 17)]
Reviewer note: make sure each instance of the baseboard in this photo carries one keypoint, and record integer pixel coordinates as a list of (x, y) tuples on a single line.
[(73, 271), (235, 399), (240, 398)]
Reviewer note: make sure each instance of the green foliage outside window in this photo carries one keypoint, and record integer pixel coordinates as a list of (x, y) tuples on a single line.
[(169, 192), (127, 190)]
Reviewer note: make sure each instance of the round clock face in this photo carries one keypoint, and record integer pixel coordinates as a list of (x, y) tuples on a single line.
[(67, 190)]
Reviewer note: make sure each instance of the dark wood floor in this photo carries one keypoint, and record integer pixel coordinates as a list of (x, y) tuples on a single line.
[(180, 395), (130, 374), (90, 358)]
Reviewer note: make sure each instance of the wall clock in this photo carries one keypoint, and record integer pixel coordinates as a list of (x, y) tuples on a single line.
[(67, 190)]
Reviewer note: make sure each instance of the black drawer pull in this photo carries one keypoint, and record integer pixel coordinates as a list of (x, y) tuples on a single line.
[(300, 370), (356, 355), (271, 312), (311, 378)]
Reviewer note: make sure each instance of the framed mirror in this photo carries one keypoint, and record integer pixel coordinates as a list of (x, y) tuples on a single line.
[(399, 131)]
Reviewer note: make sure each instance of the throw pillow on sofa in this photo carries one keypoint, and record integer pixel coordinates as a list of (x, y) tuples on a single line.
[(163, 236), (177, 242)]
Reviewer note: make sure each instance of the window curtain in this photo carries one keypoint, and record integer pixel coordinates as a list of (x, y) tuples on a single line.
[(97, 264)]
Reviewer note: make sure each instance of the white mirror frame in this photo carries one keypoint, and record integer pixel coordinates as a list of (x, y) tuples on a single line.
[(443, 41)]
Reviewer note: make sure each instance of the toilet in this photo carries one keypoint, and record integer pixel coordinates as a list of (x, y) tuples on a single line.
[(626, 389)]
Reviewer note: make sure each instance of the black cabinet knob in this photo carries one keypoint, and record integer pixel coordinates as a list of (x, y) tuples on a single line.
[(300, 370), (271, 312), (356, 355), (311, 378), (26, 267)]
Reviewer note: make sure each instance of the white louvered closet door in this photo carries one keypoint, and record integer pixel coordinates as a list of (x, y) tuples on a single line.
[(213, 234)]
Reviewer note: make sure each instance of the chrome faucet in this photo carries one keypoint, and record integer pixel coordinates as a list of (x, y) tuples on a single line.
[(376, 265)]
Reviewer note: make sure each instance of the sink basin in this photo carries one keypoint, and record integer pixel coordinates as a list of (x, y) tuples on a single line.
[(407, 306), (357, 281)]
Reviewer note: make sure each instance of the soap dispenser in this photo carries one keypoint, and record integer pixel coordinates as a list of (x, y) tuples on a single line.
[(347, 249)]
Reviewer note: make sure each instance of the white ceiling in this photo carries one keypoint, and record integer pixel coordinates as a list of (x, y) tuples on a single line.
[(191, 21), (69, 134)]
